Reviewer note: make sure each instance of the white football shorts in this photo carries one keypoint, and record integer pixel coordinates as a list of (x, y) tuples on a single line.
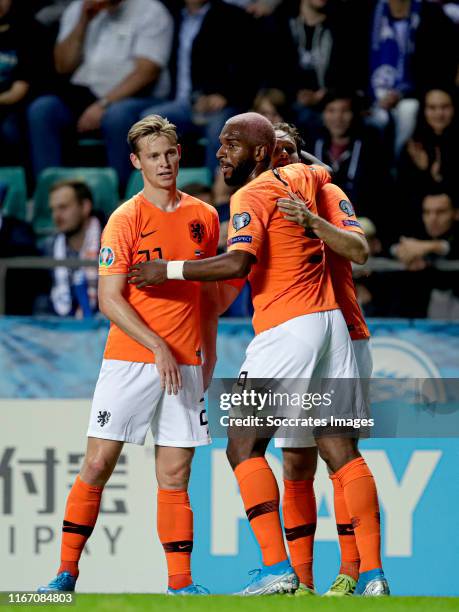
[(308, 348), (128, 400), (363, 357), (300, 346)]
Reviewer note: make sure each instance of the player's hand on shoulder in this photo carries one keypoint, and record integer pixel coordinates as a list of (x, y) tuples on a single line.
[(148, 273), (294, 209), (168, 369)]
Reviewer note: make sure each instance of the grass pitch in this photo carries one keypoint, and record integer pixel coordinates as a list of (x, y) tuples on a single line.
[(224, 603)]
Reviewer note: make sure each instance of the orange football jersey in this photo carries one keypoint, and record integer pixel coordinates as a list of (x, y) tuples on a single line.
[(139, 231), (290, 277)]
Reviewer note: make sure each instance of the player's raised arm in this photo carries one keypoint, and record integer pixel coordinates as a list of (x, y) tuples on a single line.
[(328, 225), (115, 307), (349, 244)]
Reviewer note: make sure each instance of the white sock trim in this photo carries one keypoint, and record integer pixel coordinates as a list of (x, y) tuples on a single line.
[(175, 270)]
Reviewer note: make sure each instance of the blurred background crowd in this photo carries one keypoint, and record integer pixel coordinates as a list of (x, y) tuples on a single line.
[(370, 84)]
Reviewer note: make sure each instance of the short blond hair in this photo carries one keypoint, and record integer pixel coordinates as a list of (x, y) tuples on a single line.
[(151, 125)]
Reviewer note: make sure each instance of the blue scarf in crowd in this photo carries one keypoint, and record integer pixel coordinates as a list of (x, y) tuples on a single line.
[(390, 57)]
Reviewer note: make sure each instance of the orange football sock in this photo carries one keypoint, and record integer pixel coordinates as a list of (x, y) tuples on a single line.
[(350, 560), (362, 503), (260, 494), (300, 519), (80, 516), (175, 530)]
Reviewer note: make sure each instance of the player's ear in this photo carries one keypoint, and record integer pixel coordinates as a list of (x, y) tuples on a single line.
[(261, 151), (135, 161), (179, 151)]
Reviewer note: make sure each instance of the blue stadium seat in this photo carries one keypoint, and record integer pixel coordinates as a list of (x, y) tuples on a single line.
[(103, 183), (135, 184), (13, 181), (194, 175), (185, 177), (90, 142)]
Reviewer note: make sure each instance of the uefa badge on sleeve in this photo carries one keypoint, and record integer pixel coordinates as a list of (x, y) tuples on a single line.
[(106, 257), (347, 208), (241, 220)]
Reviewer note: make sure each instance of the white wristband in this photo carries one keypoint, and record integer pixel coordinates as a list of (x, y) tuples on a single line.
[(175, 270)]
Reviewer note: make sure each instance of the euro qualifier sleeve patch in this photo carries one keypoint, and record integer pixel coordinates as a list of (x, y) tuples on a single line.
[(106, 257), (241, 220), (237, 239), (347, 208), (351, 222)]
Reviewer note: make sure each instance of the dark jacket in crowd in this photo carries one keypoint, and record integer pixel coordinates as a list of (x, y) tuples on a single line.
[(443, 279), (283, 64), (413, 183), (17, 240), (407, 294), (224, 57), (363, 174), (25, 52)]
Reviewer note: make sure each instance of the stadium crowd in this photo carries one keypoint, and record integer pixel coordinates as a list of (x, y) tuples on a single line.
[(371, 86)]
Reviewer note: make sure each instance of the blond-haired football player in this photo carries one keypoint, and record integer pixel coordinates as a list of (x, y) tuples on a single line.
[(159, 356)]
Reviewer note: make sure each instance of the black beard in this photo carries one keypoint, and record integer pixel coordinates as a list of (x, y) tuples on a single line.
[(241, 173)]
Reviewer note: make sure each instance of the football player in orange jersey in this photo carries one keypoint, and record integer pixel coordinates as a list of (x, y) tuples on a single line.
[(299, 464), (299, 332), (151, 374)]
